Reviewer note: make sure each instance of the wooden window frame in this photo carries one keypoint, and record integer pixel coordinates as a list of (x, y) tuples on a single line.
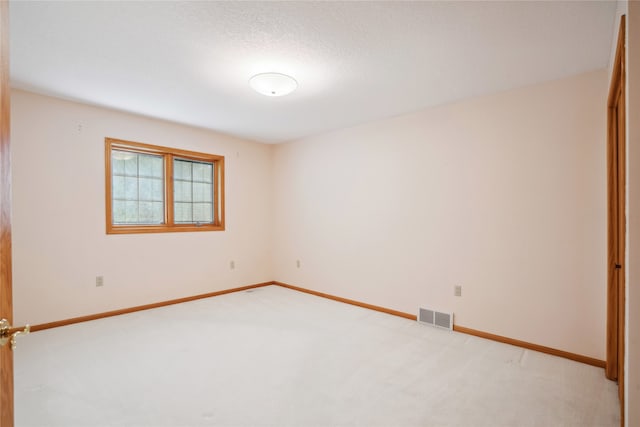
[(168, 154)]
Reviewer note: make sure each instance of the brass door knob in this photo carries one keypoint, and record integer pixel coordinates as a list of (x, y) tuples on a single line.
[(6, 335)]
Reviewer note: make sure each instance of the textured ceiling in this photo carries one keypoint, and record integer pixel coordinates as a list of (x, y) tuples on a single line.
[(190, 62)]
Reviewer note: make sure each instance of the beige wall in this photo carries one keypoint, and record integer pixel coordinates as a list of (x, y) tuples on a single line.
[(632, 372), (504, 195), (59, 240)]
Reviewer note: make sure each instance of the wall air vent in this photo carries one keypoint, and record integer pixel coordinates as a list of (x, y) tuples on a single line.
[(435, 318)]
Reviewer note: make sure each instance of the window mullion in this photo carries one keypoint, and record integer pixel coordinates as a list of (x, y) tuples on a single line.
[(214, 202), (138, 187), (218, 200), (193, 199), (168, 186)]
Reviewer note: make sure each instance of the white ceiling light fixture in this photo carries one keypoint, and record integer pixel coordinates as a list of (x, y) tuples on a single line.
[(273, 84)]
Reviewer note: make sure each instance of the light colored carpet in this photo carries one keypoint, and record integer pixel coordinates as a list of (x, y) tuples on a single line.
[(276, 357)]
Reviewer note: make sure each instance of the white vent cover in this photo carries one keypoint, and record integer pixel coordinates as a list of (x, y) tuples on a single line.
[(435, 318)]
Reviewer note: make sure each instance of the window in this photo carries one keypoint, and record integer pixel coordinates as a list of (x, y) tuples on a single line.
[(152, 189)]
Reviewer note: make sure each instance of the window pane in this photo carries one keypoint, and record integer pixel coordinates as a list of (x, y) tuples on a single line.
[(202, 172), (158, 213), (208, 173), (202, 212), (117, 164), (193, 191), (145, 188), (150, 166), (118, 213), (137, 191), (182, 191), (131, 164), (131, 212), (199, 172), (150, 212), (148, 189), (146, 211), (117, 187), (145, 166), (182, 170), (183, 213), (202, 192), (131, 188), (158, 190), (157, 167)]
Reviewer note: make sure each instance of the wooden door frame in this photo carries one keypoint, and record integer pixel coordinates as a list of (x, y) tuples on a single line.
[(616, 218), (6, 300)]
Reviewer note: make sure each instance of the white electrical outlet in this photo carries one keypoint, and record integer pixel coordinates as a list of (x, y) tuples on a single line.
[(457, 290), (298, 263), (99, 281), (232, 265)]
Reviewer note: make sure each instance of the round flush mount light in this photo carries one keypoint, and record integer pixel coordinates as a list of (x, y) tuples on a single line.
[(273, 84)]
